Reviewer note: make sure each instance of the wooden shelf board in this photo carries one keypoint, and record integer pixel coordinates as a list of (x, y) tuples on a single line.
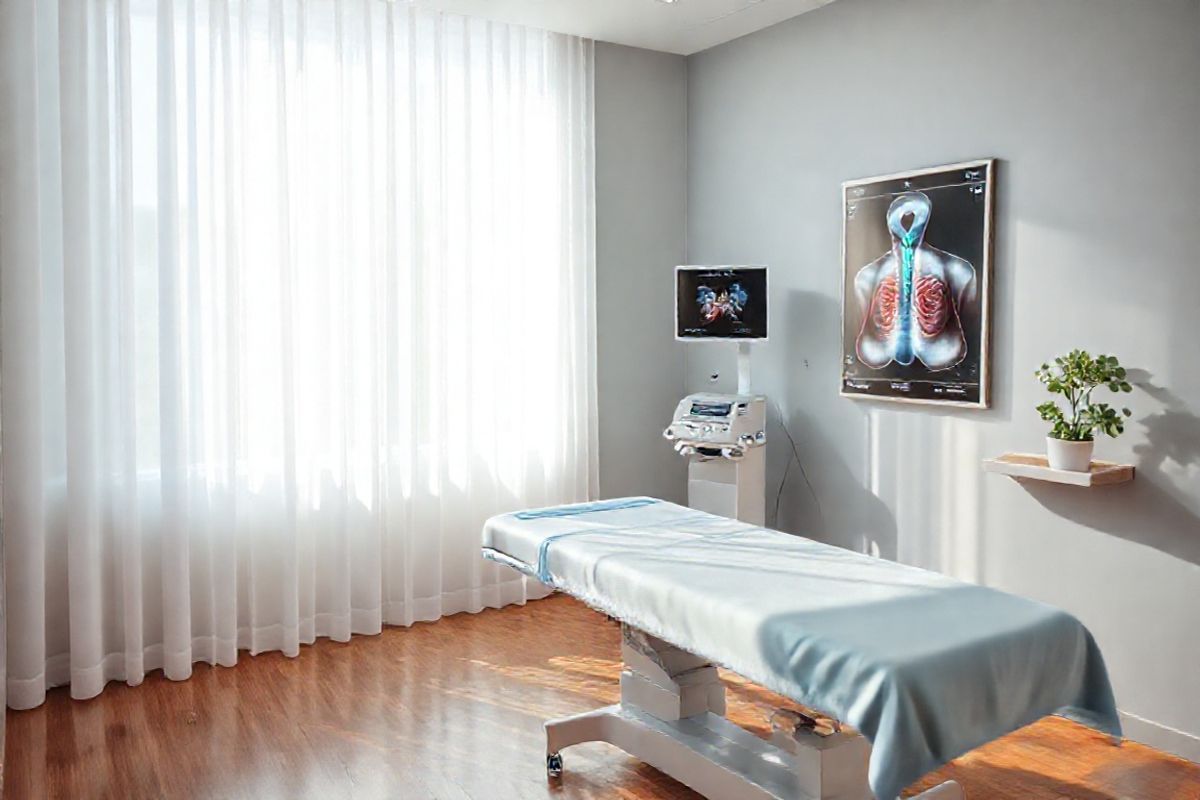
[(1030, 466)]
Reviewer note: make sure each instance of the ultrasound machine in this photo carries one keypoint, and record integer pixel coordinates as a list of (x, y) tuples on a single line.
[(723, 436)]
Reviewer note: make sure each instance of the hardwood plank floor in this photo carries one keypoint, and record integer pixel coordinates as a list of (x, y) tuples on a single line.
[(454, 710)]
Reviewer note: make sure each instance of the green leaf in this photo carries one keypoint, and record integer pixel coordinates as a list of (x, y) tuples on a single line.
[(1074, 376)]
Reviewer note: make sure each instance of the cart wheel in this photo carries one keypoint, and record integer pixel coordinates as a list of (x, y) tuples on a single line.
[(554, 765)]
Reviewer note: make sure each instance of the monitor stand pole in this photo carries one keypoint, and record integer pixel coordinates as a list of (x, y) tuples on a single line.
[(743, 368)]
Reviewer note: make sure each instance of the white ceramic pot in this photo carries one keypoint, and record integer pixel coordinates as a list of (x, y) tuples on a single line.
[(1069, 456)]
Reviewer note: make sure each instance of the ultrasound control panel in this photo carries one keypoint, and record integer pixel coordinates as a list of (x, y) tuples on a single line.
[(718, 425)]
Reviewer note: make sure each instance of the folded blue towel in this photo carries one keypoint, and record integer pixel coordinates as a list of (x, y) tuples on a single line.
[(586, 508)]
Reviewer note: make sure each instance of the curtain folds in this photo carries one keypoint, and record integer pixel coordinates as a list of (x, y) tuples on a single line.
[(293, 295)]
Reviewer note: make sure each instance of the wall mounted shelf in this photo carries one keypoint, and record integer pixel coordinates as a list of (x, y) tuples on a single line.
[(1029, 466)]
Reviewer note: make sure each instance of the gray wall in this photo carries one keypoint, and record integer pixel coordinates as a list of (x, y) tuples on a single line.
[(641, 206), (1093, 109)]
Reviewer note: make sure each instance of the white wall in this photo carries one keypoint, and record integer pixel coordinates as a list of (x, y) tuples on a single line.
[(1093, 109), (641, 183)]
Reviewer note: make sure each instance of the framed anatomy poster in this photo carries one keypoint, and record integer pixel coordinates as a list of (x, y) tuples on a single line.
[(916, 285)]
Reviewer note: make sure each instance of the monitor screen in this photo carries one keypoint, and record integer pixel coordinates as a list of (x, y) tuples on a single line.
[(721, 302)]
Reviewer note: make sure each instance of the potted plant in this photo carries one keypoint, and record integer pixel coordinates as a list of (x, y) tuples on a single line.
[(1075, 376)]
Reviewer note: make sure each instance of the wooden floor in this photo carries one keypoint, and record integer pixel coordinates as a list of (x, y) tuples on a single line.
[(454, 710)]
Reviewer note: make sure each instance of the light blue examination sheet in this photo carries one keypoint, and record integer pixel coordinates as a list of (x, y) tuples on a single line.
[(926, 667)]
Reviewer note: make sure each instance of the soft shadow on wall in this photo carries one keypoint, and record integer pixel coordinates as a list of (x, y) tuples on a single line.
[(1171, 447), (820, 497), (903, 468), (830, 500)]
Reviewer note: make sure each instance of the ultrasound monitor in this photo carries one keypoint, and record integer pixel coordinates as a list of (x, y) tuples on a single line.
[(721, 303)]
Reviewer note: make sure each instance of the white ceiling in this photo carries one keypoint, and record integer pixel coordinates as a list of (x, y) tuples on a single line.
[(685, 26)]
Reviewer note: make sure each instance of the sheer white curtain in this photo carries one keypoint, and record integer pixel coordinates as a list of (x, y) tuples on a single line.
[(293, 295)]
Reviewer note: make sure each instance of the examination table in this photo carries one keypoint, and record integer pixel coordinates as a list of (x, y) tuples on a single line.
[(921, 668)]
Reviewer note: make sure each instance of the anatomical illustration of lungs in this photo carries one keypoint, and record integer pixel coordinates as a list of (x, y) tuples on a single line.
[(916, 275), (910, 297)]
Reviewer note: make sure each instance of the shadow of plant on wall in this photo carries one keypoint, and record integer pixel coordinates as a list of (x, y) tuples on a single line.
[(1173, 434), (1156, 509)]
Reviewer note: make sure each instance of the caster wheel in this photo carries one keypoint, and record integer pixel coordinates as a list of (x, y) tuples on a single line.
[(554, 765)]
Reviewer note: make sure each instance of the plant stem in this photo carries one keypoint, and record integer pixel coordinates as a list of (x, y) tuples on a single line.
[(1086, 401), (1073, 400)]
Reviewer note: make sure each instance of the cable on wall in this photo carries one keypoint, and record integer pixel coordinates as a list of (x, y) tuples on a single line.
[(795, 456)]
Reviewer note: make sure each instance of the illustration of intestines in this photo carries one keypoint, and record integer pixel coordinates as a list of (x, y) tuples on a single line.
[(911, 297)]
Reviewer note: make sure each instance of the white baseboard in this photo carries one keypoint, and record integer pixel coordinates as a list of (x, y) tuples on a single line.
[(1161, 737)]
